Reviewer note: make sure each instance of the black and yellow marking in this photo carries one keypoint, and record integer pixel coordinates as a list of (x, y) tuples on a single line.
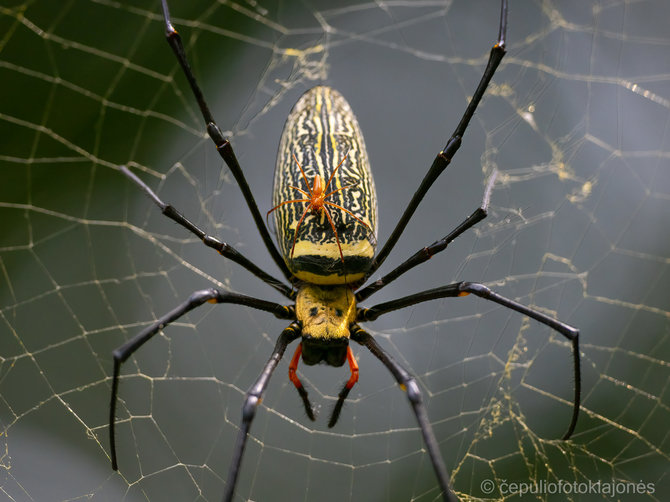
[(321, 131), (325, 314)]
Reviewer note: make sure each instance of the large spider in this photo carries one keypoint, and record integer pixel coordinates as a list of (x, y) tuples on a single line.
[(326, 218)]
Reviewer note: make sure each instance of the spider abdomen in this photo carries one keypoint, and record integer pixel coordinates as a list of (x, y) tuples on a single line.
[(320, 134)]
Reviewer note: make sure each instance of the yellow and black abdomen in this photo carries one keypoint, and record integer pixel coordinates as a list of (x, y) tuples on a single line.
[(322, 132)]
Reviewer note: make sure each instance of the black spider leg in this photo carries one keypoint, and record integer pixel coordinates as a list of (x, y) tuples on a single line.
[(195, 300), (427, 253), (223, 248), (443, 158), (252, 400), (409, 385), (223, 145), (337, 409), (465, 288), (342, 396)]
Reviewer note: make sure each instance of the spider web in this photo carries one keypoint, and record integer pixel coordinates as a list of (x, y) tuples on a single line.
[(576, 121)]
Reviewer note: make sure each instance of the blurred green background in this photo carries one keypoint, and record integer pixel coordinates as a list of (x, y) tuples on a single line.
[(576, 120)]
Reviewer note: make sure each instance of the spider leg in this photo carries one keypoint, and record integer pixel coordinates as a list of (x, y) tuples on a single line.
[(299, 190), (353, 367), (427, 253), (337, 206), (297, 227), (251, 402), (223, 145), (337, 189), (122, 353), (281, 204), (464, 289), (334, 171), (223, 248), (292, 367), (304, 176), (409, 385), (337, 238), (443, 158)]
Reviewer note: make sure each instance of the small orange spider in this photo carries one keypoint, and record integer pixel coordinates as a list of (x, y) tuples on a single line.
[(316, 203)]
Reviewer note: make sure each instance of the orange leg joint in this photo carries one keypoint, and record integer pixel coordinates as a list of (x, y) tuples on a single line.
[(293, 366), (353, 367)]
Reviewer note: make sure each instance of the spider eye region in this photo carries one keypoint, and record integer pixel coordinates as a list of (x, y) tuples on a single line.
[(324, 200)]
